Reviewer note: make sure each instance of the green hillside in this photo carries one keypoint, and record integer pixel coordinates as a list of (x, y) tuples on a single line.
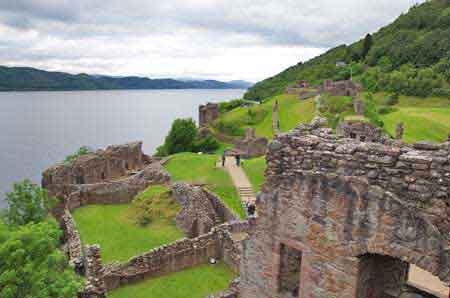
[(292, 112), (411, 56)]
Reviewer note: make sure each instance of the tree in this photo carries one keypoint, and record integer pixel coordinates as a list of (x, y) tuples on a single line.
[(368, 42), (27, 203), (181, 137), (31, 264)]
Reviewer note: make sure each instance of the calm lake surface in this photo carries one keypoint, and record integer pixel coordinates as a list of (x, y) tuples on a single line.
[(38, 129)]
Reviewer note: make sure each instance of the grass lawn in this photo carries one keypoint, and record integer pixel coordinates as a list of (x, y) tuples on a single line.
[(254, 168), (114, 227), (196, 282), (292, 112), (424, 118), (195, 168), (431, 124)]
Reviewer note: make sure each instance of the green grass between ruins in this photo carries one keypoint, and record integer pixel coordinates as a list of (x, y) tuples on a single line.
[(292, 112), (195, 282), (254, 168), (197, 168), (115, 227), (424, 118)]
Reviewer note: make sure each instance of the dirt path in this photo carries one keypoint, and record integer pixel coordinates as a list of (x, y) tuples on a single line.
[(240, 181)]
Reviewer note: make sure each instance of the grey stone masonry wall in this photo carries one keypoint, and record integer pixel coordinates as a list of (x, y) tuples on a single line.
[(72, 238), (115, 161), (170, 258), (336, 200)]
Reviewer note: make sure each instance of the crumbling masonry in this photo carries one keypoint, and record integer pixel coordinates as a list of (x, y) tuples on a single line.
[(344, 218)]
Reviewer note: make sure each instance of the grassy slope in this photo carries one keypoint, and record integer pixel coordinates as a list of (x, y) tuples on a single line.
[(195, 168), (292, 112), (113, 227), (254, 168), (424, 119), (188, 283)]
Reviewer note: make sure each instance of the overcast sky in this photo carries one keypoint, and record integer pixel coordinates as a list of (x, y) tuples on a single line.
[(216, 39)]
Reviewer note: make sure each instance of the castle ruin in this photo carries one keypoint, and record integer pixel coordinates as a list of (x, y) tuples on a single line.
[(341, 88), (343, 218), (208, 113)]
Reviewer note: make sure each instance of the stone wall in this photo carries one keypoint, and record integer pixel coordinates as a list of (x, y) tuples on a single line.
[(71, 238), (341, 88), (250, 145), (208, 113), (95, 286), (361, 131), (114, 161), (170, 258), (336, 200)]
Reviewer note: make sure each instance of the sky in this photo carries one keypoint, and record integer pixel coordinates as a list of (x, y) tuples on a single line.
[(203, 39)]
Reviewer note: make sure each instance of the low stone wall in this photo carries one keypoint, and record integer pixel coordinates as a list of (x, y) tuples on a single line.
[(163, 260), (177, 256), (115, 192), (71, 237), (95, 285), (226, 214), (231, 292)]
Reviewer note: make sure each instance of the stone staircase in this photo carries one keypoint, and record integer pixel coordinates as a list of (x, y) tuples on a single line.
[(246, 194)]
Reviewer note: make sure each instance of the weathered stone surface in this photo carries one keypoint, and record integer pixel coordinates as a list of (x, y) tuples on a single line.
[(251, 146), (177, 256), (361, 131), (358, 212), (103, 165), (208, 113), (201, 210)]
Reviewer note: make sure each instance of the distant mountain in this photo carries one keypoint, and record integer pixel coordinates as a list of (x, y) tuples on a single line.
[(241, 84), (31, 79)]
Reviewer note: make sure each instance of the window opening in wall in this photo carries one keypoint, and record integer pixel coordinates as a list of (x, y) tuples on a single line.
[(79, 179), (290, 264), (362, 138), (352, 135)]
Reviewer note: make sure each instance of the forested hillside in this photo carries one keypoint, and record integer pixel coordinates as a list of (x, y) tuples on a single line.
[(411, 56)]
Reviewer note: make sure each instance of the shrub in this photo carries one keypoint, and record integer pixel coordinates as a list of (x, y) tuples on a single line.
[(231, 105), (229, 128), (441, 92), (393, 99), (27, 203), (181, 137), (207, 144), (383, 110), (80, 152), (153, 203)]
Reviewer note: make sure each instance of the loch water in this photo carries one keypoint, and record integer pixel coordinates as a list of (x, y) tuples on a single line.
[(38, 129)]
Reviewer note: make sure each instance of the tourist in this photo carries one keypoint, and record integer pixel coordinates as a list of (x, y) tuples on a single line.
[(251, 209), (223, 160), (238, 160)]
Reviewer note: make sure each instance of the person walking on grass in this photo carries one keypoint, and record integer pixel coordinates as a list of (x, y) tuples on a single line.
[(238, 160)]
